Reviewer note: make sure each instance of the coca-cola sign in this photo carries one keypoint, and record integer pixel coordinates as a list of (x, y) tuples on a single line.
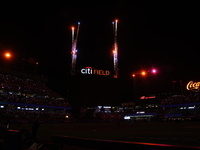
[(193, 86)]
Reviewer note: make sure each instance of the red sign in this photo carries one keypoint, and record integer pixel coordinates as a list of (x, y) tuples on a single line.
[(148, 97)]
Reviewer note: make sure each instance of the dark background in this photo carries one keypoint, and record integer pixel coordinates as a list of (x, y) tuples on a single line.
[(160, 34)]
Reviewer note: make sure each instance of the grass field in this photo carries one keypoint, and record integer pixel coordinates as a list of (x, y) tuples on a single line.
[(182, 133)]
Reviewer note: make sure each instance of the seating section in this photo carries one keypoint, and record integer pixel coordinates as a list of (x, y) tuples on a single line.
[(18, 90)]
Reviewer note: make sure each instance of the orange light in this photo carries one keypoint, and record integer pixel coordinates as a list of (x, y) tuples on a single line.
[(116, 20), (143, 73), (114, 51), (7, 55), (72, 28), (133, 75)]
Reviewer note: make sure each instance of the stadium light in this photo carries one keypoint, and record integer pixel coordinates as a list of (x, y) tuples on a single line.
[(133, 75), (143, 73), (7, 55), (154, 71)]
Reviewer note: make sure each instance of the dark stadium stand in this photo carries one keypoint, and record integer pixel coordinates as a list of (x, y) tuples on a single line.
[(25, 97)]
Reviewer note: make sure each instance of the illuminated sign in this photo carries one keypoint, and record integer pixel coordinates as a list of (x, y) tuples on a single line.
[(193, 85), (89, 70), (149, 97)]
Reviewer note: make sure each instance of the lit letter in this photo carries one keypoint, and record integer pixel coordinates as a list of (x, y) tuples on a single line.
[(104, 73), (89, 71), (189, 85), (100, 72), (107, 72), (197, 85), (83, 71), (96, 71)]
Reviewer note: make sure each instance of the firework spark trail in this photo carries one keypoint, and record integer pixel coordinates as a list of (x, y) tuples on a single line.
[(74, 50), (115, 51)]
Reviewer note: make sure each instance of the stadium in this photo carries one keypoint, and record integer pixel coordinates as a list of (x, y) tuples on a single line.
[(93, 96), (26, 97)]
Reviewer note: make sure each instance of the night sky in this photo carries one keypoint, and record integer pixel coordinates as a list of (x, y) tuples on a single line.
[(160, 34)]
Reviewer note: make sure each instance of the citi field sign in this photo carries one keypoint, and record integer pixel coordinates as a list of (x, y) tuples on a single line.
[(90, 70)]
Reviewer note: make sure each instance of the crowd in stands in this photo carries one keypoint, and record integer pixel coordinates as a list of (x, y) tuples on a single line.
[(24, 115), (180, 99), (184, 110), (42, 100), (32, 92), (27, 91), (14, 83)]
